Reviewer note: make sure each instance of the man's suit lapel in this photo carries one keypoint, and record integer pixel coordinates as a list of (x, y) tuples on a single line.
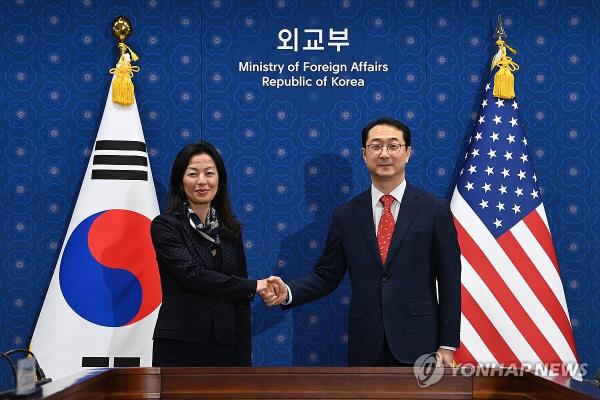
[(364, 215), (406, 215)]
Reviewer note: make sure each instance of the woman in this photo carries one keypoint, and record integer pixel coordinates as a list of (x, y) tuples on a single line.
[(204, 319)]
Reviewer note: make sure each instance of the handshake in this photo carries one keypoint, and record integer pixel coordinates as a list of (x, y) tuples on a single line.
[(272, 290)]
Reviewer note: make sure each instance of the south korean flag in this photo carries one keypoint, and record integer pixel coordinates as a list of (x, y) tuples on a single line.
[(104, 296)]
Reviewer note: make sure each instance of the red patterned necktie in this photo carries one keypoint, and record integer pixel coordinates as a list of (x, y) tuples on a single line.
[(386, 226)]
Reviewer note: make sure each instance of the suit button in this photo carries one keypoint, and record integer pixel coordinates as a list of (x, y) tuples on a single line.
[(384, 278)]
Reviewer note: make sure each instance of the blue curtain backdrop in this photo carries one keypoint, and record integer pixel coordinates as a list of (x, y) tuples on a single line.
[(293, 154)]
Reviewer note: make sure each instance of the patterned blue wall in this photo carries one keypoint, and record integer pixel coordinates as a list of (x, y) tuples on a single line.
[(292, 153)]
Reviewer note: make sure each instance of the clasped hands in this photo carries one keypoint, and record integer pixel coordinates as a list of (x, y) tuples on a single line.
[(272, 290)]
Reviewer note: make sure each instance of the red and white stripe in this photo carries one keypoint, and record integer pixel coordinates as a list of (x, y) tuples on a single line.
[(513, 303)]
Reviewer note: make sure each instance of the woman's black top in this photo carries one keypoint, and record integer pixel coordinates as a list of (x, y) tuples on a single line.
[(205, 286)]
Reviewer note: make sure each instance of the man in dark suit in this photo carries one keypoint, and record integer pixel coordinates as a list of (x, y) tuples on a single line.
[(396, 241)]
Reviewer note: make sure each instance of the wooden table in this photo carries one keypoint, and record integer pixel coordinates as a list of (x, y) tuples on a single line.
[(305, 383)]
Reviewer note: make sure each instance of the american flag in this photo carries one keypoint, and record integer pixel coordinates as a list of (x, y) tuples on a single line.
[(514, 310)]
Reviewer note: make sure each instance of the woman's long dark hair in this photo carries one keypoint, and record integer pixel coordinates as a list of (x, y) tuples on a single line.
[(227, 220)]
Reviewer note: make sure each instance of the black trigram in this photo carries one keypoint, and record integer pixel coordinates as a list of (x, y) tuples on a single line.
[(114, 157), (103, 362)]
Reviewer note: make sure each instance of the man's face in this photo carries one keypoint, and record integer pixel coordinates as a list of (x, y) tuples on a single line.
[(383, 164)]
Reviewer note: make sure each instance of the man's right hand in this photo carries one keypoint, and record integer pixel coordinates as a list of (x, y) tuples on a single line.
[(277, 292)]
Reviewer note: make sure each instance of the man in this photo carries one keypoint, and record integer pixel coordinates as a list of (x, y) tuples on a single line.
[(396, 241)]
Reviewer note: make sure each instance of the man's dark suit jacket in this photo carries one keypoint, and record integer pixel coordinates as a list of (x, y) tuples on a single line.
[(198, 290), (397, 299)]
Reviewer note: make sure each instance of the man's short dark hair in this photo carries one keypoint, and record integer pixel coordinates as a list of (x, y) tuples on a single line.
[(386, 121)]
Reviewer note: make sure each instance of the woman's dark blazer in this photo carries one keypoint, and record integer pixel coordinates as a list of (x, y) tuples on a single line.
[(197, 291)]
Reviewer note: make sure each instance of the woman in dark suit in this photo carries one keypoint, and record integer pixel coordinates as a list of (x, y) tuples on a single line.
[(204, 319)]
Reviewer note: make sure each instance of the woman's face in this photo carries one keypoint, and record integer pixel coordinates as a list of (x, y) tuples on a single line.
[(200, 180)]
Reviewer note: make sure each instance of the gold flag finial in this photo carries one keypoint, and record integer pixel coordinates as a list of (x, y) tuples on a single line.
[(504, 80), (122, 88), (121, 28), (500, 34)]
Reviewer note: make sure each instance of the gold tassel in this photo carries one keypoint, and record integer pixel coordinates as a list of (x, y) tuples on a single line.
[(504, 84), (122, 88), (504, 80)]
